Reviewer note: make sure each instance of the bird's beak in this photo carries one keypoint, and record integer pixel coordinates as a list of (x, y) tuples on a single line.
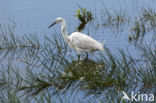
[(52, 24)]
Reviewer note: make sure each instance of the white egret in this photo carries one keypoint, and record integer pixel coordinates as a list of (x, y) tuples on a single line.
[(78, 41)]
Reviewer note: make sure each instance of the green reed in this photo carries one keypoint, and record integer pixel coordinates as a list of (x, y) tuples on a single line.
[(50, 75)]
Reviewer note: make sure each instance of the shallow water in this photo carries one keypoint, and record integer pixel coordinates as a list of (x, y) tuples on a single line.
[(34, 16)]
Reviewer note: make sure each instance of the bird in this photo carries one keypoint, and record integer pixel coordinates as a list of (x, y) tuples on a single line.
[(77, 40)]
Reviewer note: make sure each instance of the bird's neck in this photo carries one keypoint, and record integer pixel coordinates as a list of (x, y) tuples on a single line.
[(64, 31)]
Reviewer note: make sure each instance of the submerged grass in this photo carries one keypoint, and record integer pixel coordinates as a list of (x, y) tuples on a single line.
[(139, 25), (50, 70), (45, 72)]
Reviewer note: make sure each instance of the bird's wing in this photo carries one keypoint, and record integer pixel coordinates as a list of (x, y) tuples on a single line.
[(83, 41)]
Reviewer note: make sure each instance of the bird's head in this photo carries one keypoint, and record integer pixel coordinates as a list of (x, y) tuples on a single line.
[(57, 21)]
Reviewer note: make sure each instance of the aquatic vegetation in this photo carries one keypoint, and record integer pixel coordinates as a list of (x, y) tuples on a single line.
[(138, 25), (84, 16), (115, 20), (144, 25), (48, 71)]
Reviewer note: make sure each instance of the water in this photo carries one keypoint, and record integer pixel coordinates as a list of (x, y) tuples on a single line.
[(34, 16)]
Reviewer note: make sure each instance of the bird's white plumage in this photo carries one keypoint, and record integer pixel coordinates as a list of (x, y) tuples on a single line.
[(78, 41), (83, 42)]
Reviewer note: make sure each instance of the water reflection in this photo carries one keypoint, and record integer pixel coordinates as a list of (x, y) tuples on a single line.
[(81, 71), (49, 69)]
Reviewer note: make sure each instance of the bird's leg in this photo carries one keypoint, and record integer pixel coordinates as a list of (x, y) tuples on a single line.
[(78, 56), (86, 57)]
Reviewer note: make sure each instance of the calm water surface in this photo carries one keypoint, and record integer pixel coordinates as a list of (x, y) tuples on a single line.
[(34, 16)]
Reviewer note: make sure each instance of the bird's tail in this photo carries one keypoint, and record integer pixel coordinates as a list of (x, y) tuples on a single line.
[(101, 47)]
